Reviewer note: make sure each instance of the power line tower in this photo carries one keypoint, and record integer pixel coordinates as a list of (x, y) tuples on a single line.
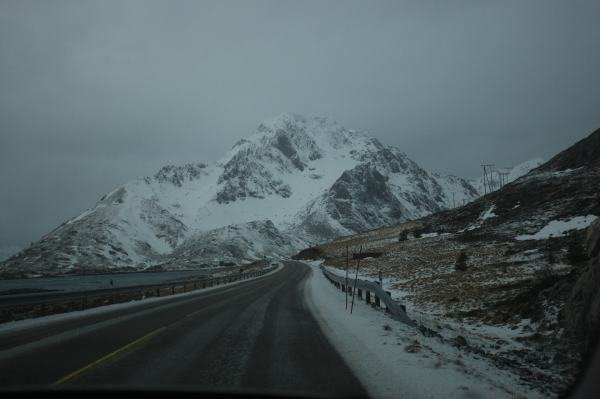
[(503, 176), (487, 180)]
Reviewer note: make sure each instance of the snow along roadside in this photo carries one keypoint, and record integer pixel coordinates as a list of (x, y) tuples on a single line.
[(394, 360), (14, 326)]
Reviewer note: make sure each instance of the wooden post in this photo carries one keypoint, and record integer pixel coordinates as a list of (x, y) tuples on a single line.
[(368, 297), (377, 302), (387, 310), (359, 293), (347, 275), (355, 279)]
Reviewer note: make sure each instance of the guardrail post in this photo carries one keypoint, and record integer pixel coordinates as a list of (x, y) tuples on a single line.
[(368, 297), (359, 293), (387, 309)]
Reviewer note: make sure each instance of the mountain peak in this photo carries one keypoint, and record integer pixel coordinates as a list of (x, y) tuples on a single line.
[(287, 120), (321, 129), (298, 138), (283, 119)]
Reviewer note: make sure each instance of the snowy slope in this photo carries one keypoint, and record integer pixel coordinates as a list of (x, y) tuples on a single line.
[(310, 177), (233, 244)]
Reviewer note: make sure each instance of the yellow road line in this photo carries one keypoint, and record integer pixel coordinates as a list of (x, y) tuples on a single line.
[(106, 357)]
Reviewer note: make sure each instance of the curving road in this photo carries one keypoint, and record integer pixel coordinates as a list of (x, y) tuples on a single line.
[(258, 335)]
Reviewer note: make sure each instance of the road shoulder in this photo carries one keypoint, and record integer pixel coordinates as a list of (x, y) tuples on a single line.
[(392, 359)]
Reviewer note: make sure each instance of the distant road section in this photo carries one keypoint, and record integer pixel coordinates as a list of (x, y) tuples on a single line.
[(256, 335)]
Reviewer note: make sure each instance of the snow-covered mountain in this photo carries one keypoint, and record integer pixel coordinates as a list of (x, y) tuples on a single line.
[(294, 181), (495, 180)]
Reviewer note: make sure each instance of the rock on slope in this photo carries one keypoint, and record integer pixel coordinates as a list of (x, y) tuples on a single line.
[(312, 178), (582, 309), (528, 299)]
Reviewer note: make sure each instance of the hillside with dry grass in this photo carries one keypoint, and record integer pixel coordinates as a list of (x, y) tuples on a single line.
[(513, 272)]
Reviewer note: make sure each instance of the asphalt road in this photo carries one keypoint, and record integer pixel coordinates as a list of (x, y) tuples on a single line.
[(257, 335)]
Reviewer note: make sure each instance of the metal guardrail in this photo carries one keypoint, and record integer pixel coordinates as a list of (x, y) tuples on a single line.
[(156, 290), (395, 308)]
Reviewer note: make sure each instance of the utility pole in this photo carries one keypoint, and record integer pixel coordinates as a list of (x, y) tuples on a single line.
[(487, 181), (484, 179), (503, 176), (492, 182)]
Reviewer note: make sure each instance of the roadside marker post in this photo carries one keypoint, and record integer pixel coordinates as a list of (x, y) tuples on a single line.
[(346, 277), (355, 280)]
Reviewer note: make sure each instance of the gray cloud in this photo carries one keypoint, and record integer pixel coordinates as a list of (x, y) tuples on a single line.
[(94, 93)]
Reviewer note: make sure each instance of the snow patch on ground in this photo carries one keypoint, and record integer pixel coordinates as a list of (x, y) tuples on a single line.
[(559, 228), (394, 360), (489, 213)]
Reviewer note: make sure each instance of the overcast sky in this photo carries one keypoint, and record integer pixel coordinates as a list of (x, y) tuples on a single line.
[(96, 93)]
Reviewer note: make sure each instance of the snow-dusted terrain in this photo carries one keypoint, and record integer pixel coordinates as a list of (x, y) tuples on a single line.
[(396, 360), (295, 181)]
